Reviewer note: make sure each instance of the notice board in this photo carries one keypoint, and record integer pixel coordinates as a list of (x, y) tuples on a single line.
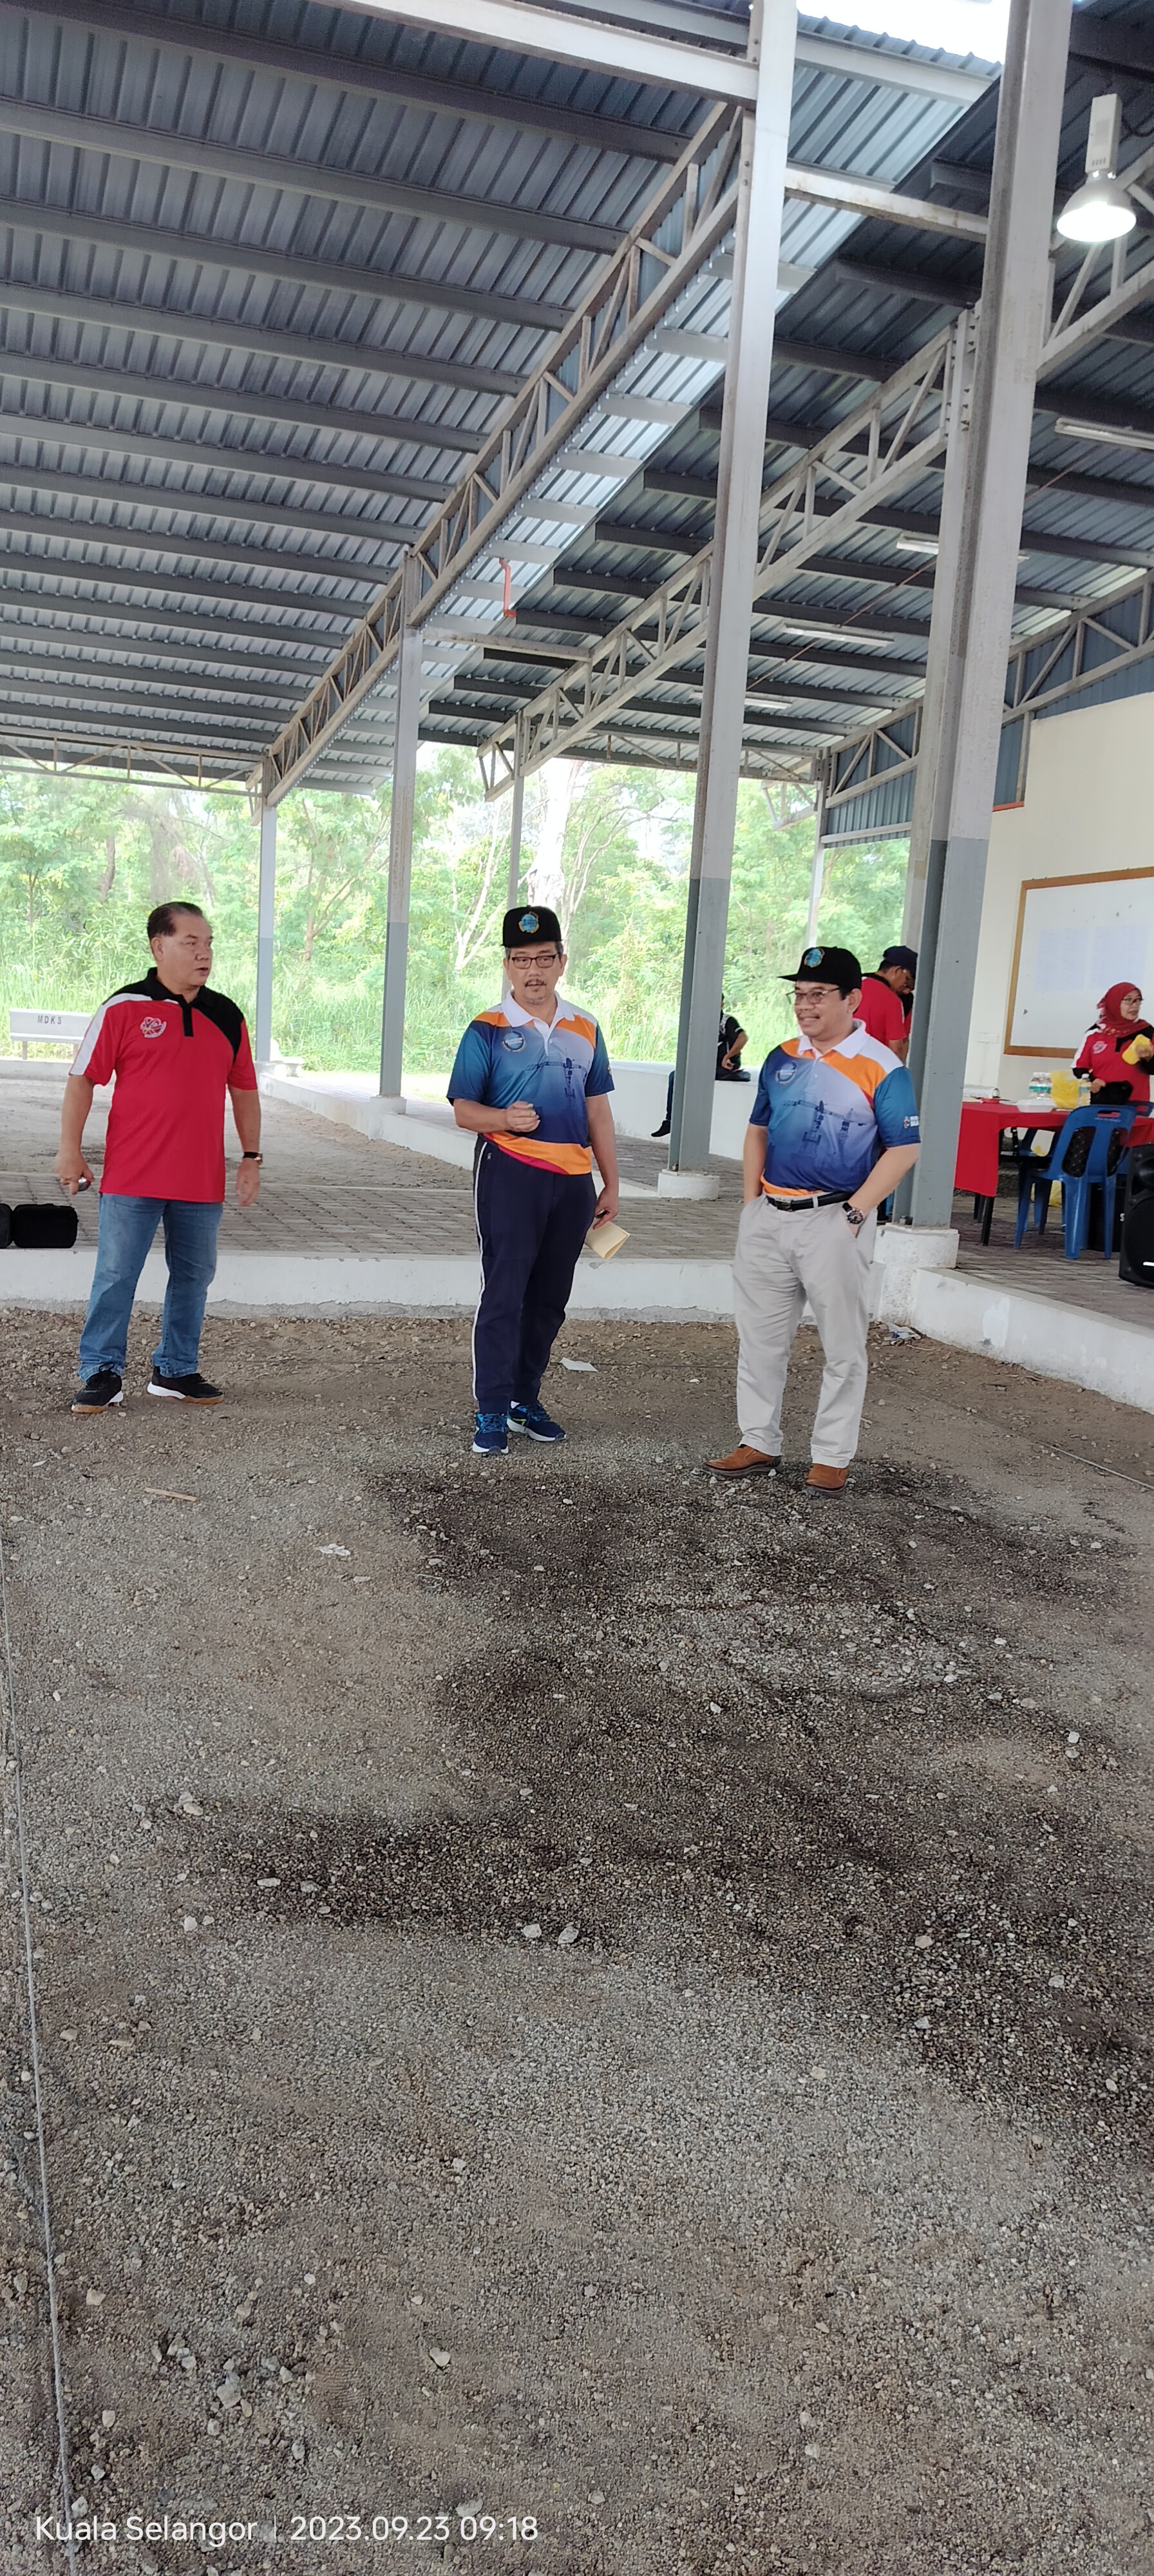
[(1076, 936)]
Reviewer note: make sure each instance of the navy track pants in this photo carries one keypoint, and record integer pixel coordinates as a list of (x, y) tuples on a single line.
[(531, 1225)]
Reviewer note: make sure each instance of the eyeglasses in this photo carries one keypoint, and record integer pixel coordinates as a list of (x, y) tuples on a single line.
[(533, 956), (816, 993)]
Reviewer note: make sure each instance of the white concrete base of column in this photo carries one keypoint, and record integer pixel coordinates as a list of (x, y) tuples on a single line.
[(687, 1185), (901, 1253)]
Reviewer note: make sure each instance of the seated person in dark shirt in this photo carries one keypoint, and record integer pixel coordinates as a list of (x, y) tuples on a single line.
[(731, 1038)]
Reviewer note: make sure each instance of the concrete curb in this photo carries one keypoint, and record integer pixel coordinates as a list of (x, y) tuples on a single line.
[(249, 1283), (1109, 1358)]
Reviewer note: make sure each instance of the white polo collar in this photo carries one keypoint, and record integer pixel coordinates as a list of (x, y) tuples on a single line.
[(842, 1046), (519, 1019)]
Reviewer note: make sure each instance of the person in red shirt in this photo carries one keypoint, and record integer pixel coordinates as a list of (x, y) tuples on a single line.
[(172, 1047), (886, 999), (1116, 1055)]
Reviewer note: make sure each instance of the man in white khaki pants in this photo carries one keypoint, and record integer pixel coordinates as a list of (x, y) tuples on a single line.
[(834, 1126)]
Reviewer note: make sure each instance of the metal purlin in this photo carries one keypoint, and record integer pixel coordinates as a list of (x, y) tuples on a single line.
[(13, 1767)]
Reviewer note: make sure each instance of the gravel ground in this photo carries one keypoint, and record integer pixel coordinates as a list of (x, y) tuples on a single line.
[(574, 1992)]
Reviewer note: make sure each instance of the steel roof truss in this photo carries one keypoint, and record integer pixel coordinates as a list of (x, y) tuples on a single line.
[(870, 456), (1024, 695), (622, 306)]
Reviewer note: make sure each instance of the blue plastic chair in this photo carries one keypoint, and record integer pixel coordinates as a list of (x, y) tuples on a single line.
[(1085, 1155)]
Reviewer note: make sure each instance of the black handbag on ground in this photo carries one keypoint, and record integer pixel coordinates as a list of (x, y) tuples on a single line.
[(38, 1226)]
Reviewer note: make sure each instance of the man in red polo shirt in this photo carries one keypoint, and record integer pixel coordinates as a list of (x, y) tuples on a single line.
[(173, 1048), (887, 999)]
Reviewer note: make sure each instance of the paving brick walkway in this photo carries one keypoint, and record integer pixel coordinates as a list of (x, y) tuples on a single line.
[(325, 1189)]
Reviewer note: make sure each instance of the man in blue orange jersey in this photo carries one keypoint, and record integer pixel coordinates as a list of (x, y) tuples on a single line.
[(833, 1128), (531, 1082)]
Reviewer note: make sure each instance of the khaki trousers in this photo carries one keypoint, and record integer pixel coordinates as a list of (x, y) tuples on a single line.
[(779, 1261)]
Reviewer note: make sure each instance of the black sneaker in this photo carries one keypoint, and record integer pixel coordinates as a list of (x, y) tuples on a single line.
[(187, 1390), (99, 1393), (663, 1130)]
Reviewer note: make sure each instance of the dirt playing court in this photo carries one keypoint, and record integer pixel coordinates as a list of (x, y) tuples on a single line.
[(605, 2013)]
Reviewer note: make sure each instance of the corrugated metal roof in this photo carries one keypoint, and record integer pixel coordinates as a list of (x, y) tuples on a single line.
[(290, 260), (882, 294)]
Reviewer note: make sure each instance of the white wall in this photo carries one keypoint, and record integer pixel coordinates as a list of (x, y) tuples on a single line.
[(1089, 809)]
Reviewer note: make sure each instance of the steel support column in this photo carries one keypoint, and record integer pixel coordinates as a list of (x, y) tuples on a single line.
[(516, 820), (757, 247), (942, 676), (962, 776), (407, 722), (817, 872), (265, 924)]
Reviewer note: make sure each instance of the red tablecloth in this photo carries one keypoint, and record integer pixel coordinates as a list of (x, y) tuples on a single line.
[(982, 1123)]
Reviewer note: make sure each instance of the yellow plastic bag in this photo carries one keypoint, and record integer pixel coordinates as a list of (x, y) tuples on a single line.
[(1064, 1090)]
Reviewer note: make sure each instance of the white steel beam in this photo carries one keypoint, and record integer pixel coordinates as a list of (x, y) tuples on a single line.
[(892, 71), (849, 195), (856, 61), (553, 36)]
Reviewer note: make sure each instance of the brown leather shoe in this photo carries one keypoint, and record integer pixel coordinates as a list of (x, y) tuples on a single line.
[(743, 1461), (827, 1480)]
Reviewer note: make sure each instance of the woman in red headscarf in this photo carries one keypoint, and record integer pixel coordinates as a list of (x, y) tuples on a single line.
[(1115, 1057)]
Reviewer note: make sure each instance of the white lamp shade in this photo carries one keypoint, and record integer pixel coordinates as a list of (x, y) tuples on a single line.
[(1101, 211)]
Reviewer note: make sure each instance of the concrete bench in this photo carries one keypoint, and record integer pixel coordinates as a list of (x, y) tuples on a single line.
[(47, 1028)]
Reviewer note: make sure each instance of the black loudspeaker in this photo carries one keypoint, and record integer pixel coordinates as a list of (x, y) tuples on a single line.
[(40, 1227), (5, 1224), (1137, 1262)]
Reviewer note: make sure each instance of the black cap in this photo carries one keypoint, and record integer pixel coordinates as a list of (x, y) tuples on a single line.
[(827, 966), (527, 926), (907, 957)]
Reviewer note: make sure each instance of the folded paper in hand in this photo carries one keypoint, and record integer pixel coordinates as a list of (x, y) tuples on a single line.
[(606, 1239)]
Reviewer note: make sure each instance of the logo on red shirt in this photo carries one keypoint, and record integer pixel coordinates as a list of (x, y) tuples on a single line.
[(153, 1028)]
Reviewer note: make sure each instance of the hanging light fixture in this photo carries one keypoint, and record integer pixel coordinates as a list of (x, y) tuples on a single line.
[(1100, 210)]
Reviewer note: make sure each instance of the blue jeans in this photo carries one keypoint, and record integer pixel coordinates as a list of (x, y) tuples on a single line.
[(127, 1227)]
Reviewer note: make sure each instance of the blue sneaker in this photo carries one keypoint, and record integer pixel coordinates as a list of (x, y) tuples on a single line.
[(534, 1419), (490, 1439)]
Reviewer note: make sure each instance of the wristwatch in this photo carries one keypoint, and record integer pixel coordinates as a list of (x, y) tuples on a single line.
[(252, 1158), (857, 1216)]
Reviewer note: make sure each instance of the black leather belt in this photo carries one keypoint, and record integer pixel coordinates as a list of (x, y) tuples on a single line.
[(817, 1198)]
